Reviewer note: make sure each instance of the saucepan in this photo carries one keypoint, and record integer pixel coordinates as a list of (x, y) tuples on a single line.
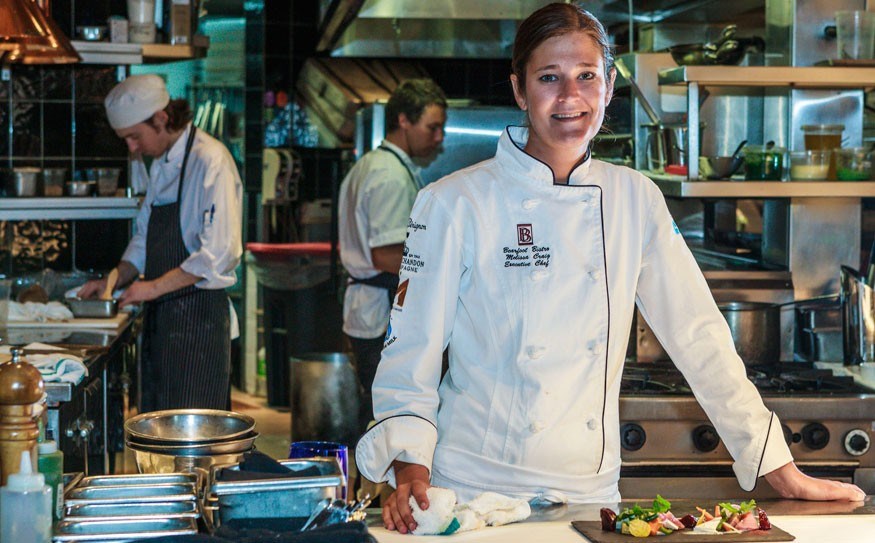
[(756, 328), (93, 308)]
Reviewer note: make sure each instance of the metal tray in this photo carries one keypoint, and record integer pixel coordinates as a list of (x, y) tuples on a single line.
[(286, 497), (93, 308), (105, 511), (122, 529), (138, 479), (129, 494)]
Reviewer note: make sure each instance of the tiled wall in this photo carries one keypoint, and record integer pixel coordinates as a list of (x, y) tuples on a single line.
[(53, 117)]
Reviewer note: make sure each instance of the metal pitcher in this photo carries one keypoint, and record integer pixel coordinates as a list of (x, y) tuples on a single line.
[(325, 398), (858, 318)]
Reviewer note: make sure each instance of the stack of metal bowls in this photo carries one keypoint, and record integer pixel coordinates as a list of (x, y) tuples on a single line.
[(180, 440)]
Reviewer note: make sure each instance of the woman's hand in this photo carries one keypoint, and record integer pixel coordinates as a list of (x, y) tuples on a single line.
[(792, 483), (410, 479)]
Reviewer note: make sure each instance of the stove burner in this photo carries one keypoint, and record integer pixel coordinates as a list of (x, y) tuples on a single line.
[(797, 378)]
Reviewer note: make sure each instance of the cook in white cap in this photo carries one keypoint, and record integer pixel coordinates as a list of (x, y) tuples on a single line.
[(185, 250)]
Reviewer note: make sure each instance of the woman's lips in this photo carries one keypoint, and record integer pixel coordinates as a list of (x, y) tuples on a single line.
[(572, 116)]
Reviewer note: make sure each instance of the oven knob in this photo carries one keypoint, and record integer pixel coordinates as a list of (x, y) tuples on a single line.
[(815, 435), (632, 436), (857, 442), (788, 434), (705, 438)]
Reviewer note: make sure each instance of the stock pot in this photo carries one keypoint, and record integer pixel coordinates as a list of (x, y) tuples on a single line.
[(756, 330)]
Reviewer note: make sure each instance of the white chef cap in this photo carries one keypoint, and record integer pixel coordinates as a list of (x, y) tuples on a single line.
[(135, 100)]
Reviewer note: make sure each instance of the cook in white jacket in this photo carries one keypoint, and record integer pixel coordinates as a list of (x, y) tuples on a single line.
[(529, 266)]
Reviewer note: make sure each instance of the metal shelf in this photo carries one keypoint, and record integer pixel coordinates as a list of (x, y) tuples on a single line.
[(770, 76), (73, 208), (764, 189)]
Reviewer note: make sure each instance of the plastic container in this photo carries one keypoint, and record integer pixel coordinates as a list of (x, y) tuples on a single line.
[(764, 163), (26, 506), (824, 137), (809, 165), (854, 164), (51, 465)]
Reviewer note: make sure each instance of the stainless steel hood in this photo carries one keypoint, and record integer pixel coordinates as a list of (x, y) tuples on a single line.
[(27, 36), (482, 28)]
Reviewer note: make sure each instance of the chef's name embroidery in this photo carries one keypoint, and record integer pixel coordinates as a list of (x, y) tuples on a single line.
[(411, 262), (517, 257), (412, 225), (541, 256)]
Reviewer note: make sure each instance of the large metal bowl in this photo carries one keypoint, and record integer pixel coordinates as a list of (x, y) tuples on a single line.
[(153, 462), (188, 427), (218, 447)]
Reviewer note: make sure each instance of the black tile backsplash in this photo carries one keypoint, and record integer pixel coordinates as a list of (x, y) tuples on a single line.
[(56, 140), (56, 83), (93, 83), (26, 129)]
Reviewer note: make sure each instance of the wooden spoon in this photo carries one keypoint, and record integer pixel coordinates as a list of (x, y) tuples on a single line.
[(111, 280)]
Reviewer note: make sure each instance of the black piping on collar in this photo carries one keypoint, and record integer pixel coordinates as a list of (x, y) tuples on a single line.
[(582, 161)]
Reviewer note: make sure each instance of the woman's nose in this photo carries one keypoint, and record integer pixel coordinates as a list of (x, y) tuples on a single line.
[(568, 89)]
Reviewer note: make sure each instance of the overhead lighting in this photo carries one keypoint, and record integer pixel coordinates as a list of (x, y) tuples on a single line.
[(28, 36)]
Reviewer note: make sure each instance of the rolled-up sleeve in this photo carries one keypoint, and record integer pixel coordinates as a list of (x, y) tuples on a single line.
[(220, 236), (677, 303), (405, 390)]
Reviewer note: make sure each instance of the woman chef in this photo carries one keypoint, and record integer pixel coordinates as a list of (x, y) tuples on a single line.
[(186, 246), (529, 266)]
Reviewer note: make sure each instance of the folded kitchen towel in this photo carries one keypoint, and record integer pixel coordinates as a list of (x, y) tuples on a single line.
[(59, 368), (38, 312), (444, 516)]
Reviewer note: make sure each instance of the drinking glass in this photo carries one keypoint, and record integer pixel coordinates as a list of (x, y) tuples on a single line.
[(855, 33), (329, 449)]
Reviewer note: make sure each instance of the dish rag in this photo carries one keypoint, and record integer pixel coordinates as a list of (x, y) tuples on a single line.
[(59, 368), (39, 312), (444, 516)]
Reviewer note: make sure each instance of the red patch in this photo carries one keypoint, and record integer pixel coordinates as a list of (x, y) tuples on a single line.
[(524, 234)]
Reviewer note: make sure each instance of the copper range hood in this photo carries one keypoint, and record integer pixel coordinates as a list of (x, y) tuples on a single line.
[(28, 36)]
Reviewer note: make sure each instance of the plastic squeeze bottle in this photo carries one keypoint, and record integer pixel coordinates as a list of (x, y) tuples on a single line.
[(51, 465), (26, 506)]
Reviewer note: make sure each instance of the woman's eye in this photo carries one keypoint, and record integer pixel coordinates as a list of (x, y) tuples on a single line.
[(587, 75), (547, 77)]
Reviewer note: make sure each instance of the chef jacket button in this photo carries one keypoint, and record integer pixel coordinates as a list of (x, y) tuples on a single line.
[(592, 424), (535, 352), (536, 426), (595, 348), (529, 203), (537, 275), (594, 275)]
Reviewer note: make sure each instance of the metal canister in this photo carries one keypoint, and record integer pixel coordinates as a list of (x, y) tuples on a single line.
[(325, 398), (858, 318)]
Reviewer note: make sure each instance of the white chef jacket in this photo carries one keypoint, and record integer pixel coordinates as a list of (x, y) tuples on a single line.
[(373, 209), (533, 286), (210, 212)]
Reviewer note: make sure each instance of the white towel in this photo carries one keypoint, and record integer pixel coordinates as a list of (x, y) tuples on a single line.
[(38, 312), (55, 368), (445, 516)]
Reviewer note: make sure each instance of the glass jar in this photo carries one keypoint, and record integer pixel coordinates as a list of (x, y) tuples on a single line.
[(825, 137), (854, 164), (764, 163), (809, 165)]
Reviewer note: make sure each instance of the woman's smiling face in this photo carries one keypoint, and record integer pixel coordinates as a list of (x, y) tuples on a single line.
[(564, 93)]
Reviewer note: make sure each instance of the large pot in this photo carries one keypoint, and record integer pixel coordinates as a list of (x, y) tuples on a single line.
[(325, 398), (756, 331)]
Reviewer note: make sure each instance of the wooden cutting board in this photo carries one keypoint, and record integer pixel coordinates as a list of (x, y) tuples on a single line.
[(113, 323), (592, 530)]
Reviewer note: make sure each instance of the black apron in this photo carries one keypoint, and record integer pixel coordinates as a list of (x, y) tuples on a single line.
[(186, 343), (385, 280)]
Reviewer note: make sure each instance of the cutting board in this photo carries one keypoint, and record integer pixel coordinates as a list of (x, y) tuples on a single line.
[(592, 530), (113, 323)]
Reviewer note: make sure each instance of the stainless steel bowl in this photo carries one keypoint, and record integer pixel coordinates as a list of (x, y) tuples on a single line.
[(188, 426), (80, 188), (153, 462), (719, 167), (218, 447)]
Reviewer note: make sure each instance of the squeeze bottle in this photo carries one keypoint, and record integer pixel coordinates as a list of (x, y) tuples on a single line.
[(26, 506)]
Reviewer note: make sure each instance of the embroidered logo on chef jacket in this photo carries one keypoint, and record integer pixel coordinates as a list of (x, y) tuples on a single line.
[(524, 234), (412, 262), (401, 293), (389, 339)]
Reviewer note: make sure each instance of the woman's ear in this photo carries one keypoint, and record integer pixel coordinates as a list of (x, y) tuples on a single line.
[(612, 77), (518, 93)]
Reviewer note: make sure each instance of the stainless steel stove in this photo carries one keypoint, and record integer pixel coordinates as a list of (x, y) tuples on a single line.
[(670, 446)]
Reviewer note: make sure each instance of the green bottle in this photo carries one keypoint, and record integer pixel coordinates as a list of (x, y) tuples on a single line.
[(51, 464)]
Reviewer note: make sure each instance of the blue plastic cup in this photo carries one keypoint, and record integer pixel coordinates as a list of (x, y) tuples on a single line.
[(328, 449)]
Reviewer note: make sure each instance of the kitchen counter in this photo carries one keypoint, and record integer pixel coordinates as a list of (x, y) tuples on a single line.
[(810, 522)]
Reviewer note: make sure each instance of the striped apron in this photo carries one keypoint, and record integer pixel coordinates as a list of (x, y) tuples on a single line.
[(186, 343)]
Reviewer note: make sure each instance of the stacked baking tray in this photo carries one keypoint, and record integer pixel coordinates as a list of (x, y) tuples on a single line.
[(291, 496), (130, 507)]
